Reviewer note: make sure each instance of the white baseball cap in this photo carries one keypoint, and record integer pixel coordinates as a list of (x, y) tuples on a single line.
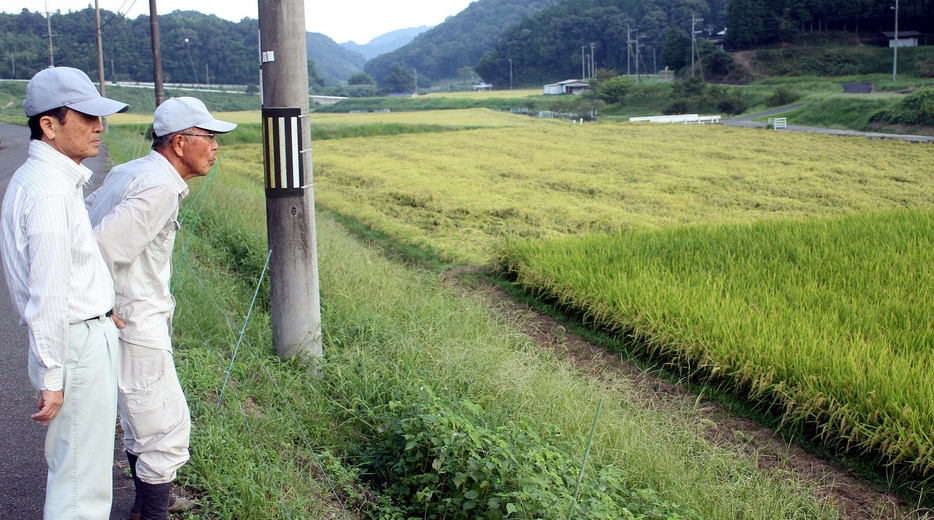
[(177, 114), (56, 87)]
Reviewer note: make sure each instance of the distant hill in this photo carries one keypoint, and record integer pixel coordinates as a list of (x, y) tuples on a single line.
[(548, 45), (385, 43), (334, 63), (459, 41), (196, 48)]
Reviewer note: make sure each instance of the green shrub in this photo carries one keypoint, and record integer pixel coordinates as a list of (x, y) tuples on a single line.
[(926, 68), (614, 90), (916, 109), (437, 459), (782, 95)]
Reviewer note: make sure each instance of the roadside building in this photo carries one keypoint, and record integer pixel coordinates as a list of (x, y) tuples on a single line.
[(905, 38), (568, 86)]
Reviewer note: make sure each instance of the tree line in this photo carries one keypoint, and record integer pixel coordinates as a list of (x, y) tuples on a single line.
[(761, 22), (195, 48), (572, 39)]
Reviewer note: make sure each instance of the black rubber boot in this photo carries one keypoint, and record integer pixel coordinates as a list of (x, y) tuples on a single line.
[(134, 511), (153, 500)]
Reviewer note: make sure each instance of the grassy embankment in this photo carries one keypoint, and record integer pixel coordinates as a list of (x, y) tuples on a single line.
[(391, 330)]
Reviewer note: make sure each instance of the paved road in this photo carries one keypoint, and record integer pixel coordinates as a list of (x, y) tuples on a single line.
[(22, 464), (745, 121)]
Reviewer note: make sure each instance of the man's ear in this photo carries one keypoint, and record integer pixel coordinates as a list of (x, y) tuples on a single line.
[(178, 146), (48, 124)]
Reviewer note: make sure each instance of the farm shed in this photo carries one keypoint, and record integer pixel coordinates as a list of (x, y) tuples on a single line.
[(568, 86), (905, 38)]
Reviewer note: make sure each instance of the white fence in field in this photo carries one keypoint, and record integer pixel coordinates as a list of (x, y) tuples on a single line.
[(778, 122), (679, 118)]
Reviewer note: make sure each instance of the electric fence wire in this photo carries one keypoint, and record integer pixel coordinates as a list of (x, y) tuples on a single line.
[(272, 379), (200, 198), (236, 397)]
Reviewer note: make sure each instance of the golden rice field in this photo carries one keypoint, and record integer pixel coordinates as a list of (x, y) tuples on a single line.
[(460, 194), (829, 320), (783, 264), (471, 117)]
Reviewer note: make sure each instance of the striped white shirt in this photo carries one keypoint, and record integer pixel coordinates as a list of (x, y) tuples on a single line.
[(54, 269)]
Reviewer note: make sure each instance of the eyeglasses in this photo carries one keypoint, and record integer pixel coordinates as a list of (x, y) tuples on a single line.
[(210, 136)]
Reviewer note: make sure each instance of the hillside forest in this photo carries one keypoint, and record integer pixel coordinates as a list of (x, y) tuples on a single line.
[(525, 42)]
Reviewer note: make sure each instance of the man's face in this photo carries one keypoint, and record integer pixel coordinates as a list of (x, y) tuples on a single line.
[(78, 138), (199, 152)]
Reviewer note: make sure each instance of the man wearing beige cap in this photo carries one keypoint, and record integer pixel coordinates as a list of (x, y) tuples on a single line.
[(61, 287), (135, 219)]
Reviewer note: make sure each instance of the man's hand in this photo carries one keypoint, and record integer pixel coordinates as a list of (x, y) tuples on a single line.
[(118, 322), (49, 404)]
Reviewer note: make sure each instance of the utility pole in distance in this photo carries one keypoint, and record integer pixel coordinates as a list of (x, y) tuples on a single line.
[(895, 47), (290, 209), (156, 53), (100, 55)]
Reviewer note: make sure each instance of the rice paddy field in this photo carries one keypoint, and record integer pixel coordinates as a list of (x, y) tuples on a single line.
[(794, 270)]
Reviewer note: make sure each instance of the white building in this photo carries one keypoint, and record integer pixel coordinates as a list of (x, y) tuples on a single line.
[(568, 86), (905, 38)]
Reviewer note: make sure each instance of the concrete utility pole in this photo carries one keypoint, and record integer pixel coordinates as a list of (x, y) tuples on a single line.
[(156, 53), (48, 24), (895, 47), (694, 50), (593, 62), (100, 55), (290, 210), (510, 73), (583, 62)]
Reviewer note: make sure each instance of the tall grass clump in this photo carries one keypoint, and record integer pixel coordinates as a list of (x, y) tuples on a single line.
[(825, 320)]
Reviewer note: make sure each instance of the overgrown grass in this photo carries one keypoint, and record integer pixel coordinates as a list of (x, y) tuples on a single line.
[(387, 328), (819, 318)]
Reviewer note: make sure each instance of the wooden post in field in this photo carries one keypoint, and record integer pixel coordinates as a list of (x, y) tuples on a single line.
[(290, 210)]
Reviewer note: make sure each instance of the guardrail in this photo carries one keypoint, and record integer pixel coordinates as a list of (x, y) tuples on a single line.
[(679, 118), (778, 122)]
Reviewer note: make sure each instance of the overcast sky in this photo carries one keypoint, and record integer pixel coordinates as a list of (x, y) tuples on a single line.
[(341, 20)]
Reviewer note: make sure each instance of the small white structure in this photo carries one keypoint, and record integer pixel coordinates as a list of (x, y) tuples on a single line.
[(482, 86), (326, 100), (568, 86), (679, 118), (905, 38)]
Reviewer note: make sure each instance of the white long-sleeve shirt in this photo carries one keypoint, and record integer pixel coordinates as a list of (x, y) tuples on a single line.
[(54, 269), (134, 214)]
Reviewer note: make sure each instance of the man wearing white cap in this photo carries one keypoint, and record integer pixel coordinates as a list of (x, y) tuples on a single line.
[(134, 215), (64, 292)]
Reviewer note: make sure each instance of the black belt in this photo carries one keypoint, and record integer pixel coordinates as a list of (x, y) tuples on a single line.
[(101, 317)]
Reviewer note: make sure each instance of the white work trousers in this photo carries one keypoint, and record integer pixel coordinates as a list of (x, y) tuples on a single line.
[(79, 444), (153, 412)]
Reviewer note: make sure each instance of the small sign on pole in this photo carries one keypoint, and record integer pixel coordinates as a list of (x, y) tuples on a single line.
[(282, 146)]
